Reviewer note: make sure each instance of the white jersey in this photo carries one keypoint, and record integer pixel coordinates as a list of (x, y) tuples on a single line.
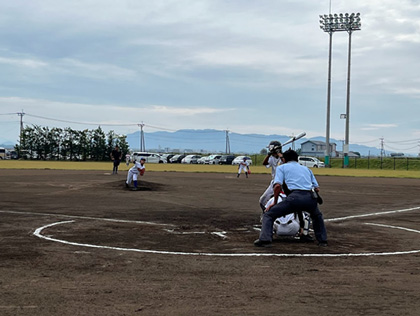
[(273, 162), (287, 225), (135, 168)]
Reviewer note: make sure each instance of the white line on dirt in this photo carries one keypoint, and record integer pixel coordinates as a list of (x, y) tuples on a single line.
[(88, 217), (372, 214), (39, 230)]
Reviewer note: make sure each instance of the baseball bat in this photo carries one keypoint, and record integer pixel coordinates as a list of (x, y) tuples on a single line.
[(294, 138)]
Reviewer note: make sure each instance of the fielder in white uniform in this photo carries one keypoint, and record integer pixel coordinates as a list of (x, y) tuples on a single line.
[(137, 169), (243, 165), (272, 160)]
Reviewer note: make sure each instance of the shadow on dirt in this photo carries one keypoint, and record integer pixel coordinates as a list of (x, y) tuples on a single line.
[(142, 186)]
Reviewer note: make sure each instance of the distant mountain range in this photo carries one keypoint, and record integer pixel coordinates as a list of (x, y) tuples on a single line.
[(216, 141)]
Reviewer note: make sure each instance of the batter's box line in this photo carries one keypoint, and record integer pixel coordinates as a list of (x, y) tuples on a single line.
[(219, 234), (372, 214)]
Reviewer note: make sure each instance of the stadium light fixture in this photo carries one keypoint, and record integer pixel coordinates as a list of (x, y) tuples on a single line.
[(331, 23)]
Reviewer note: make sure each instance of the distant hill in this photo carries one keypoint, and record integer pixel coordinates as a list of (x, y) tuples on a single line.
[(215, 141), (7, 144)]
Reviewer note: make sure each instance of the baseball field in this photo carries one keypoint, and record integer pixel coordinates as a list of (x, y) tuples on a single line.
[(75, 241)]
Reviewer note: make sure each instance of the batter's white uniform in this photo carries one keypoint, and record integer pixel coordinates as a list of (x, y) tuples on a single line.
[(243, 165), (273, 162), (134, 172)]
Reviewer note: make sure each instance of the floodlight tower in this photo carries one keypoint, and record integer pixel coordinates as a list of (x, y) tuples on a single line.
[(142, 143), (331, 23), (227, 142), (351, 23)]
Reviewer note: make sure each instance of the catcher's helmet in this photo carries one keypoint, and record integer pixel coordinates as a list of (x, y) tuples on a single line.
[(274, 147)]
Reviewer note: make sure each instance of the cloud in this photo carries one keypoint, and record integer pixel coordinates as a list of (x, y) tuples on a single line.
[(182, 111), (23, 62), (371, 127)]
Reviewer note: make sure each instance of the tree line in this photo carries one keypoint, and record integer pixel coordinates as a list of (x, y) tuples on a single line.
[(43, 143)]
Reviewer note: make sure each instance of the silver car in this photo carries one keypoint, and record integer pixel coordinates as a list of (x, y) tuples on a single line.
[(311, 162)]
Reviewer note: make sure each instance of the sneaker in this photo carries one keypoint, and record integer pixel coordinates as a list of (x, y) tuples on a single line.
[(262, 243), (323, 244), (134, 189), (126, 185)]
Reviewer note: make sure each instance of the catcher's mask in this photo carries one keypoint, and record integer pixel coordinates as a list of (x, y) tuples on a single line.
[(274, 147)]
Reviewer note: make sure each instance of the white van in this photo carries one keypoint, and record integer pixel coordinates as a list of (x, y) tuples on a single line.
[(311, 162), (3, 153), (150, 157)]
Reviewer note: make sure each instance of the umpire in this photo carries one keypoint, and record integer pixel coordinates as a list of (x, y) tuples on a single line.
[(300, 181)]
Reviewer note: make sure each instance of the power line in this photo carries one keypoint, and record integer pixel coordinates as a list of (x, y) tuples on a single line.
[(81, 123)]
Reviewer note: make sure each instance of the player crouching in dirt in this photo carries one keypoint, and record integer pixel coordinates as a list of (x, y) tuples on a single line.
[(300, 181), (292, 225), (134, 172)]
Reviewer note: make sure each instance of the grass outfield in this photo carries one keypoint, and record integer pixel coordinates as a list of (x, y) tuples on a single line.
[(107, 166)]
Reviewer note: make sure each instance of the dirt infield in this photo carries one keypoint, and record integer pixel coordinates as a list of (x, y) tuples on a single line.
[(80, 243)]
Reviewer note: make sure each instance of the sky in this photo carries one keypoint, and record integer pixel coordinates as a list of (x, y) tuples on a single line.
[(240, 65)]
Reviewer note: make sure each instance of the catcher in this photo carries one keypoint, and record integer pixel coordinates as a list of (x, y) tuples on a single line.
[(293, 225), (134, 172)]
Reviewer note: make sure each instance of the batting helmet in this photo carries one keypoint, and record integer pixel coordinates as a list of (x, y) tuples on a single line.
[(274, 147)]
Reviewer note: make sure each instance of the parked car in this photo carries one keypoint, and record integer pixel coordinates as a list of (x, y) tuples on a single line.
[(238, 160), (150, 157), (213, 159), (226, 160), (202, 160), (14, 155), (177, 158), (311, 162), (166, 157), (190, 159)]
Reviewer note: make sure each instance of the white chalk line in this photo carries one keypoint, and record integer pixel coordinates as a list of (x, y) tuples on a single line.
[(87, 217), (371, 214), (39, 230)]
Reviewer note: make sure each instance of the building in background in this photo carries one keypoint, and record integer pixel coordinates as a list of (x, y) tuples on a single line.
[(317, 148)]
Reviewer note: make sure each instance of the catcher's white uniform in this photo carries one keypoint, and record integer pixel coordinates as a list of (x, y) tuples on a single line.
[(134, 172), (288, 225), (273, 162)]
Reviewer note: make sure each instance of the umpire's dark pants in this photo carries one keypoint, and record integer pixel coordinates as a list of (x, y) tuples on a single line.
[(296, 201)]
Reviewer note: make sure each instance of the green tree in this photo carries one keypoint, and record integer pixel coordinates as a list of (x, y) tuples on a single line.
[(98, 143)]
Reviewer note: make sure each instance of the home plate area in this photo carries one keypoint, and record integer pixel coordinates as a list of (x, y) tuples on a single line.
[(350, 237)]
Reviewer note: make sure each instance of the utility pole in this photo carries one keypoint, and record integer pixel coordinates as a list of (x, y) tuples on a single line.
[(382, 150), (382, 147), (21, 114)]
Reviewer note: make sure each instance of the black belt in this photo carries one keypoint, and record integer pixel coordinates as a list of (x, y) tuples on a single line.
[(301, 191)]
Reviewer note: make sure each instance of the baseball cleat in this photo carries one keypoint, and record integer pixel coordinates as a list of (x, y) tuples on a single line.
[(262, 243)]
